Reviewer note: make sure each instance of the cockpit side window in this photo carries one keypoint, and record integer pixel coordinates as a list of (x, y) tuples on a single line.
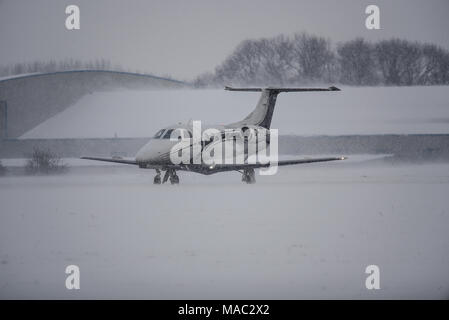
[(159, 134)]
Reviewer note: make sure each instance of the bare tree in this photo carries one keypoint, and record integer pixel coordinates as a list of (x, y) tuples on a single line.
[(46, 162), (242, 66), (435, 65), (274, 60), (311, 57), (400, 61), (357, 63)]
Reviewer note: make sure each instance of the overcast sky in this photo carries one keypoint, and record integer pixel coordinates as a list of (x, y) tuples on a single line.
[(184, 38)]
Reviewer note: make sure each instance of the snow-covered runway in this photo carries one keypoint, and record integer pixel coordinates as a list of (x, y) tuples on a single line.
[(307, 232)]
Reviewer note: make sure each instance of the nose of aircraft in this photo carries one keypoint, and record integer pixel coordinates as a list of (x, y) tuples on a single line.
[(153, 152)]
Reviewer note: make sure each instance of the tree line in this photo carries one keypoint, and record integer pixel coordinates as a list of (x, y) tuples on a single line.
[(300, 59), (305, 58)]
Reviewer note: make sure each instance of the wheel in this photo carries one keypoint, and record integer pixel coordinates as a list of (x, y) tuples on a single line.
[(157, 179), (174, 179), (249, 176)]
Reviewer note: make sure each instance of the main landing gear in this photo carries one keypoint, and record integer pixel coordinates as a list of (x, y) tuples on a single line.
[(169, 174), (249, 176)]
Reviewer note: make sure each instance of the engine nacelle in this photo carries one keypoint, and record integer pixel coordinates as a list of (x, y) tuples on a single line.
[(255, 134)]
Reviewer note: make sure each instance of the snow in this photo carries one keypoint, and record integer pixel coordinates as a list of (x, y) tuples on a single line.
[(307, 232), (365, 110), (19, 76), (72, 162)]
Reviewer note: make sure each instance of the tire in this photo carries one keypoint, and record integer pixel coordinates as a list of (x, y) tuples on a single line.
[(174, 180)]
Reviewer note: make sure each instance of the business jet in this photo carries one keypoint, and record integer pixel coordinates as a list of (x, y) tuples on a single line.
[(160, 150)]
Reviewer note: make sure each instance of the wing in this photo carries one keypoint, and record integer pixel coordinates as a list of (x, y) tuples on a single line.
[(123, 161), (204, 169), (308, 160), (230, 167)]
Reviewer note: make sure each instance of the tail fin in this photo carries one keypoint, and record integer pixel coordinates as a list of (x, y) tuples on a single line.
[(263, 113)]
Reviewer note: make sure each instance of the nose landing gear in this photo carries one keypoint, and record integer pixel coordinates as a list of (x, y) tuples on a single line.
[(249, 176), (169, 174), (157, 178)]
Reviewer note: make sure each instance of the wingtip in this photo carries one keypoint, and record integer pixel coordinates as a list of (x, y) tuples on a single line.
[(334, 88)]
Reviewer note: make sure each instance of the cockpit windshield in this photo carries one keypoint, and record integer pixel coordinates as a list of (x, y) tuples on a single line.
[(159, 134), (167, 133)]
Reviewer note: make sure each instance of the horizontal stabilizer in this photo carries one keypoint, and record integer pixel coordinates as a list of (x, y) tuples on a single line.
[(283, 89), (263, 113)]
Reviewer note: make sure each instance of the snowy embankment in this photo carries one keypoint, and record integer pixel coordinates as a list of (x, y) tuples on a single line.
[(352, 111)]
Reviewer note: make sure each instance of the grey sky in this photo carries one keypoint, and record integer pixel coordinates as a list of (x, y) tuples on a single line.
[(186, 38)]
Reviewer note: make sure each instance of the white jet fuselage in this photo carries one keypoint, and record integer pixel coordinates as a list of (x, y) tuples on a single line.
[(224, 145)]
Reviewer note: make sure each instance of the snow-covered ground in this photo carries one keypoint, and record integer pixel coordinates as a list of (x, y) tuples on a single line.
[(376, 110), (307, 232), (71, 162), (15, 76)]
